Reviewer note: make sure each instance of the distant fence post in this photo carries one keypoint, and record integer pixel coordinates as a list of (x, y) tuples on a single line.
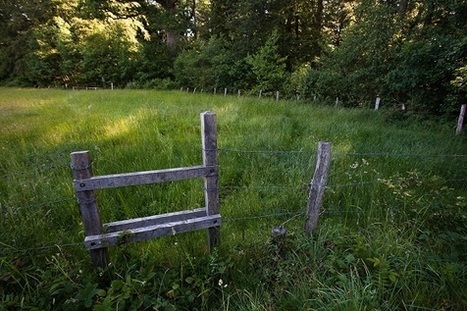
[(82, 169), (211, 194), (317, 186), (460, 120), (377, 102), (277, 96), (225, 91)]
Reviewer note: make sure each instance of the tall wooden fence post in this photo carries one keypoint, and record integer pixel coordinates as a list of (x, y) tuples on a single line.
[(317, 186), (460, 120), (82, 169), (209, 141)]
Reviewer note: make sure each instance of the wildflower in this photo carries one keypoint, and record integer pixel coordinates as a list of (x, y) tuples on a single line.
[(221, 284)]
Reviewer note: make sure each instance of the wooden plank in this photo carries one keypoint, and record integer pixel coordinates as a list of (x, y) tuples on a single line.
[(142, 178), (211, 184), (82, 169), (317, 186), (153, 220), (145, 233)]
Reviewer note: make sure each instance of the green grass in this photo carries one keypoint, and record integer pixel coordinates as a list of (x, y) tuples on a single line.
[(391, 236)]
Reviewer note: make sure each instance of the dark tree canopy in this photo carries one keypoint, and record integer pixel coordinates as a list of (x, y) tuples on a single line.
[(409, 52)]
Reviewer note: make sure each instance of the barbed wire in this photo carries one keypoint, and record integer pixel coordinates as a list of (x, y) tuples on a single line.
[(340, 154), (261, 151), (302, 186), (36, 169), (233, 219), (393, 154), (46, 166), (36, 249), (38, 205)]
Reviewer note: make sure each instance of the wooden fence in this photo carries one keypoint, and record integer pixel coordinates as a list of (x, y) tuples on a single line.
[(99, 236)]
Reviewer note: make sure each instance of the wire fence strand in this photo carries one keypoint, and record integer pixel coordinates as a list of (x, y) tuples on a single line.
[(300, 185)]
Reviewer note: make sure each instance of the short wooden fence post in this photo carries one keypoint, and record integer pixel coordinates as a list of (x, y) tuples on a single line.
[(317, 186), (211, 194), (81, 165)]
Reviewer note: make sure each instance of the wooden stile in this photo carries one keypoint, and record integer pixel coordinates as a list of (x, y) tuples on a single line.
[(100, 236)]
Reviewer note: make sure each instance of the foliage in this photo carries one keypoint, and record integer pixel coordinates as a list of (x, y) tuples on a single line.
[(268, 66), (410, 53), (407, 58), (209, 65)]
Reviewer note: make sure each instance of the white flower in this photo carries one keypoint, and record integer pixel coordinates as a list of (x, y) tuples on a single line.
[(221, 283)]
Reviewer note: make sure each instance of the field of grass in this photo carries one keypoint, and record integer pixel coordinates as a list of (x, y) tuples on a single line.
[(392, 234)]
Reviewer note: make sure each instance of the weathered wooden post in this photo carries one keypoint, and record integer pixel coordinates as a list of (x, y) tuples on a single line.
[(225, 91), (82, 169), (460, 120), (317, 186), (209, 141), (277, 96)]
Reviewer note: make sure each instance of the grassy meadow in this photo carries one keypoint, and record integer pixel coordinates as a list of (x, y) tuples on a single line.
[(392, 234)]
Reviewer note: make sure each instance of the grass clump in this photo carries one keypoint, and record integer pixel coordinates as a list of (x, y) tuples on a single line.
[(391, 234)]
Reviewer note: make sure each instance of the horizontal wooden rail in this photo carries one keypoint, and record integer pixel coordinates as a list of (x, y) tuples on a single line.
[(142, 178), (154, 220), (140, 234)]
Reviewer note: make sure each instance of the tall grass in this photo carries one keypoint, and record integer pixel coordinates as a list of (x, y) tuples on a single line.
[(391, 236)]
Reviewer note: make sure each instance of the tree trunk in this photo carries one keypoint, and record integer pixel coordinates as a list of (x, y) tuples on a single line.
[(172, 36)]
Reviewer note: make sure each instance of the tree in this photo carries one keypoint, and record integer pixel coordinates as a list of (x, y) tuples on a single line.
[(18, 19), (268, 66)]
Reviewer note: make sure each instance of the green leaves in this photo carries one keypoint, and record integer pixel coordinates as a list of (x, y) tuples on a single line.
[(268, 66)]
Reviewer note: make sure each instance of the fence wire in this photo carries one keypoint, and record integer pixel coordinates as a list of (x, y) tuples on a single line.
[(47, 166), (10, 250)]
